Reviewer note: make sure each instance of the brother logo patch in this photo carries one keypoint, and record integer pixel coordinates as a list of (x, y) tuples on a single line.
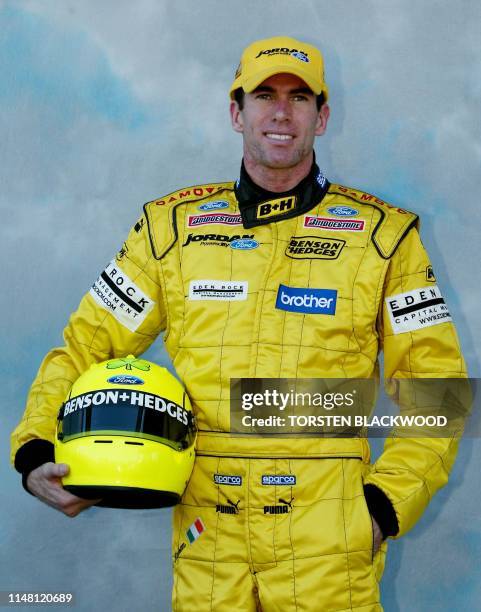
[(308, 301)]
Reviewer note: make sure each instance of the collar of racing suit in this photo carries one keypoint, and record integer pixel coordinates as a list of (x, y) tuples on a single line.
[(259, 206)]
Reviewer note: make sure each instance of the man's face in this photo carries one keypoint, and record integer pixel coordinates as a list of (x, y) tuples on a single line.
[(279, 122)]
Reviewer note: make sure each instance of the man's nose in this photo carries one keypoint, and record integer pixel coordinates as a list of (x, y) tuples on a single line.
[(282, 110)]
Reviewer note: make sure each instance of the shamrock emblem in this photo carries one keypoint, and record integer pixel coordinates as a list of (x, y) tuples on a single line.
[(129, 363)]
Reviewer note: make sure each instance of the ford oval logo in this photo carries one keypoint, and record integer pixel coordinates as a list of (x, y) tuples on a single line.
[(343, 211), (300, 56), (214, 205), (125, 379), (244, 244)]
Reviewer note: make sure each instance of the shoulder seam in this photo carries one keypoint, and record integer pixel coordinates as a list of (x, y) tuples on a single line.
[(385, 254), (186, 197)]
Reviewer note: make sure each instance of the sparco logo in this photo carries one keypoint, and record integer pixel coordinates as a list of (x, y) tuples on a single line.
[(300, 55), (225, 479), (325, 223), (215, 239), (273, 208), (287, 479), (214, 218), (314, 247)]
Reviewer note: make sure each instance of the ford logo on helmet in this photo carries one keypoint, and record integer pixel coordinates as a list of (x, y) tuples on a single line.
[(216, 205), (244, 244), (343, 211), (125, 379)]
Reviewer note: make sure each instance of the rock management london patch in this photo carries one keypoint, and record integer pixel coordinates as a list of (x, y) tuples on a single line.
[(118, 294)]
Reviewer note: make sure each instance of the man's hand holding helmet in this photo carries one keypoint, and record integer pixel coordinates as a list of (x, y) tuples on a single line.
[(45, 482)]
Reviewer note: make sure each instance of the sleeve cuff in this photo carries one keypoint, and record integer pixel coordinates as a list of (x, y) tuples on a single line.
[(382, 510), (31, 455)]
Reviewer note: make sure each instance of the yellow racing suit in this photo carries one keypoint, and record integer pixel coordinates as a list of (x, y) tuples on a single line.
[(245, 283)]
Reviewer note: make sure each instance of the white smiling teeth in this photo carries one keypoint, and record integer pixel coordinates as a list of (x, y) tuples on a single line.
[(279, 136)]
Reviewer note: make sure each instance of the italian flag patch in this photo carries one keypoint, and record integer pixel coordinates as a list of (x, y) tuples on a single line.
[(195, 530)]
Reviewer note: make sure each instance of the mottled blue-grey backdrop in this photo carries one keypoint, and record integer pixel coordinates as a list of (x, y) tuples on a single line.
[(106, 104)]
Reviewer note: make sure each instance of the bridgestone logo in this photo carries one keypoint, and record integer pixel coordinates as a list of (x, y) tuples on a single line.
[(417, 309), (279, 480), (325, 223), (225, 479), (214, 218)]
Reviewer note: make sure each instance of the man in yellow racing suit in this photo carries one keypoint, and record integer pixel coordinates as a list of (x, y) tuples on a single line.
[(279, 275)]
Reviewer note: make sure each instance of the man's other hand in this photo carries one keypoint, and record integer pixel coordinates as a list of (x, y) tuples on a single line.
[(376, 536), (45, 482)]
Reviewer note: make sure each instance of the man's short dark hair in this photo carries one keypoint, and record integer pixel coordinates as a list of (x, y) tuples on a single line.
[(239, 98)]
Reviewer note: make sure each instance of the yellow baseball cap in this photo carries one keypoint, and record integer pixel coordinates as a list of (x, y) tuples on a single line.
[(264, 58)]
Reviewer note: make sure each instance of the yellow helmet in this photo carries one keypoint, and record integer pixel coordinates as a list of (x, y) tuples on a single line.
[(127, 432)]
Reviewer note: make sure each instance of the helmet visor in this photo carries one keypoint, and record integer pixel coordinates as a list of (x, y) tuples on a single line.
[(127, 411)]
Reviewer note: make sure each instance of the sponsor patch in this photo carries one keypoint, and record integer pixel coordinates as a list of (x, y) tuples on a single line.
[(325, 223), (123, 252), (314, 247), (120, 296), (128, 363), (321, 179), (276, 509), (214, 219), (284, 509), (227, 479), (125, 379), (216, 205), (139, 225), (195, 530), (343, 211), (228, 509), (123, 397), (218, 239), (297, 53), (275, 208), (417, 309), (278, 480), (179, 551), (430, 274), (188, 193), (218, 290), (307, 301), (244, 244)]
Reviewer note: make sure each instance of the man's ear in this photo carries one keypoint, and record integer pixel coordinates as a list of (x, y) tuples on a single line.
[(322, 119), (236, 117)]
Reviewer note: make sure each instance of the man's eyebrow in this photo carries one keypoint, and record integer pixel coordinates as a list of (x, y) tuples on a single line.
[(297, 90)]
